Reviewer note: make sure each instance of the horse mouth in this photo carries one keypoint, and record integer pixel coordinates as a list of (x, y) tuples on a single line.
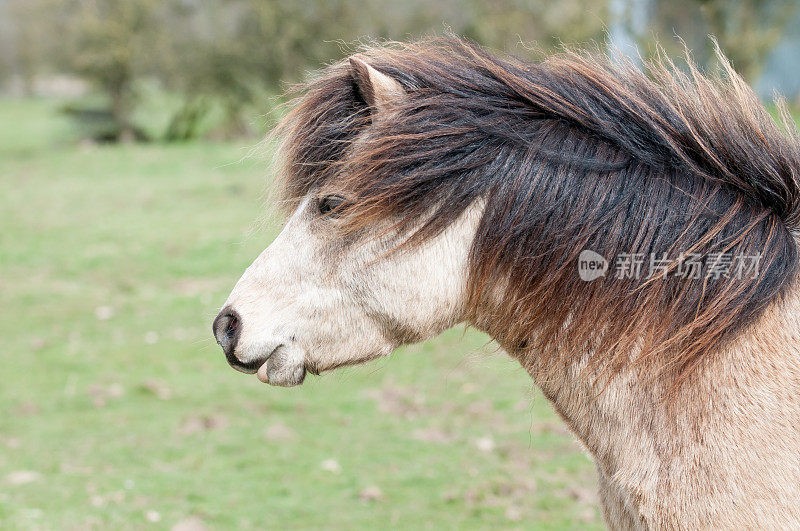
[(247, 368), (250, 367)]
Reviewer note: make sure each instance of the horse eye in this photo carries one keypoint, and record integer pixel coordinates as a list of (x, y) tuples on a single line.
[(329, 203)]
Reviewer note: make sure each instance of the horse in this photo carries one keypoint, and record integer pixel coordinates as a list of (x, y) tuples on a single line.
[(628, 233)]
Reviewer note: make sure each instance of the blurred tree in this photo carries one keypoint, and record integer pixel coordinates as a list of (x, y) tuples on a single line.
[(505, 24), (238, 51), (747, 30), (112, 40)]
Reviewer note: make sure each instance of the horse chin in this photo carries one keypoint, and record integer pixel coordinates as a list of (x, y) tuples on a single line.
[(284, 376), (284, 368), (287, 366)]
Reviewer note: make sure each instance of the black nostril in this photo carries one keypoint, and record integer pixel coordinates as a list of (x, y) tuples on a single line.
[(232, 327), (226, 328)]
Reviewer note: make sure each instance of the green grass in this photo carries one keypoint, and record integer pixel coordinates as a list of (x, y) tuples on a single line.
[(119, 411)]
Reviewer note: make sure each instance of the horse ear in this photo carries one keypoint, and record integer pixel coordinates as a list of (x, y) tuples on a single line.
[(375, 87)]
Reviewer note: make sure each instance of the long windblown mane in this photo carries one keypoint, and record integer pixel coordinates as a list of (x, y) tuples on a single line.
[(575, 152)]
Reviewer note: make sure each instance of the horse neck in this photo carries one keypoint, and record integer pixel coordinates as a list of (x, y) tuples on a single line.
[(747, 395)]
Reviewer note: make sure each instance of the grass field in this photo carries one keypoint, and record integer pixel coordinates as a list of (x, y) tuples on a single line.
[(119, 411)]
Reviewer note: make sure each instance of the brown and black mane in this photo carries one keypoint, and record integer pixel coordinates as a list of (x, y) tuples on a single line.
[(575, 152)]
